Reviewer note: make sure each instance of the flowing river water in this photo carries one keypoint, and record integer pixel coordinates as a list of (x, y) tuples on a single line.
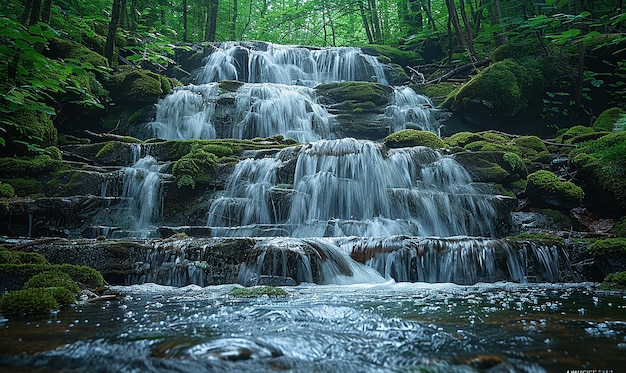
[(388, 327)]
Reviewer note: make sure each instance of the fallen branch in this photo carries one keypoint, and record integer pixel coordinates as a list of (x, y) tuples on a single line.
[(460, 69)]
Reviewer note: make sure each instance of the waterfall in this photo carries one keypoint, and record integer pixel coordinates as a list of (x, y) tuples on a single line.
[(291, 65), (142, 193), (349, 187), (411, 110), (187, 113)]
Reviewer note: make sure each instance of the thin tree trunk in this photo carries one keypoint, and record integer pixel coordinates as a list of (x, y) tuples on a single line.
[(110, 42), (233, 22), (35, 12), (468, 29), (366, 25), (28, 7), (211, 24), (123, 15), (375, 22), (580, 79), (185, 34), (133, 15), (47, 10)]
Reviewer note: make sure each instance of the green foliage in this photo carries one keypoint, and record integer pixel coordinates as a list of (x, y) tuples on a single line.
[(462, 139), (411, 137), (20, 257), (25, 186), (258, 291), (35, 165), (51, 279), (546, 186), (33, 81), (615, 247), (614, 281)]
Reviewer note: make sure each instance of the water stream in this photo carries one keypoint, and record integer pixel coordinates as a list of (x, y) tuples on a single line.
[(388, 327)]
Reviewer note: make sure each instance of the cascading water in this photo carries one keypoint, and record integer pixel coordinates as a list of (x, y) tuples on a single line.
[(140, 195), (355, 188), (274, 95), (290, 65)]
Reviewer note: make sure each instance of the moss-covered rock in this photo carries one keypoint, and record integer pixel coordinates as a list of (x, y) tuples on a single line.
[(194, 168), (20, 257), (64, 49), (395, 55), (500, 86), (28, 166), (258, 291), (544, 187), (608, 118), (354, 91), (33, 128), (615, 247), (574, 132), (619, 229), (436, 92), (493, 166), (530, 146), (28, 301), (539, 238), (83, 275), (50, 279), (140, 86), (411, 137), (6, 190), (614, 281), (601, 166), (461, 139), (26, 187)]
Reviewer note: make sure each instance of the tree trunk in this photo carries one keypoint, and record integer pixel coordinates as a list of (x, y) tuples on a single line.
[(110, 42), (35, 12), (123, 23), (28, 7), (211, 22), (453, 18), (47, 10), (185, 35), (580, 79), (375, 22), (233, 22), (468, 29), (366, 24), (133, 15)]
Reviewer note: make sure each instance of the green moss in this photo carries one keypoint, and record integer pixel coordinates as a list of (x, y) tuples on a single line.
[(487, 146), (614, 281), (539, 238), (574, 132), (54, 153), (545, 186), (601, 165), (26, 187), (531, 146), (24, 257), (194, 168), (112, 149), (139, 86), (29, 166), (436, 92), (491, 166), (258, 291), (411, 137), (609, 247), (608, 118), (513, 160), (462, 139), (63, 49), (398, 56), (619, 229), (6, 190), (34, 128), (500, 86), (50, 279), (357, 91), (28, 301), (83, 275)]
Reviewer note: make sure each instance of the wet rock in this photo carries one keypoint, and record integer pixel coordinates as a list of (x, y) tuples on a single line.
[(272, 281)]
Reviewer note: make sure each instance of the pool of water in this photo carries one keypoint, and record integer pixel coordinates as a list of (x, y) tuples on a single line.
[(414, 327)]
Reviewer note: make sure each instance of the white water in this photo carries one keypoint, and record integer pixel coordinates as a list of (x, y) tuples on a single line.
[(352, 188), (289, 65)]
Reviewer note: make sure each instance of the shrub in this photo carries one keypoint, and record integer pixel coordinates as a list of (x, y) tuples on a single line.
[(28, 301), (614, 281)]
